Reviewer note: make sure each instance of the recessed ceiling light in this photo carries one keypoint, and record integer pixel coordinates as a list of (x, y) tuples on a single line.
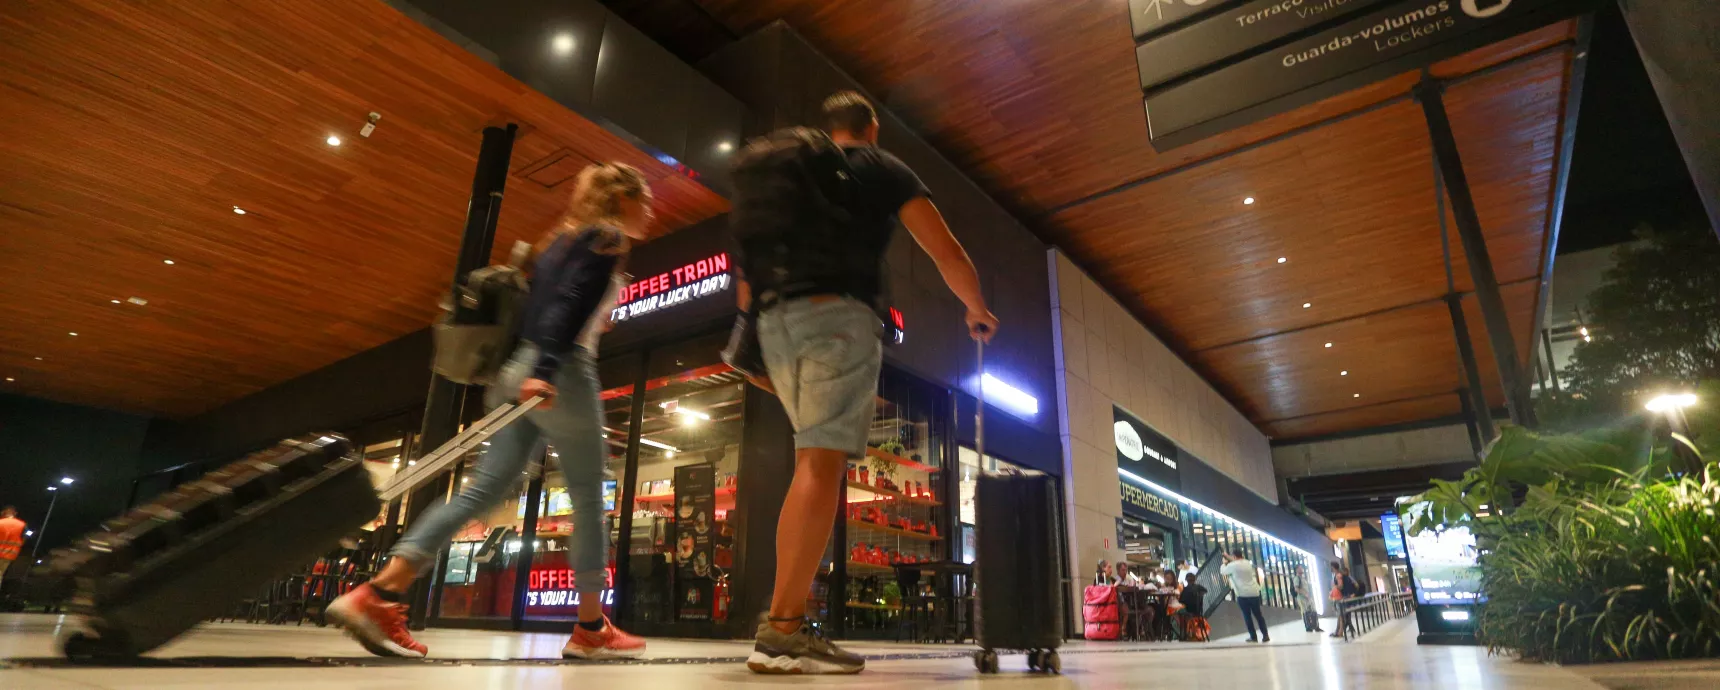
[(1345, 372), (1248, 201), (167, 261), (1358, 395), (238, 210), (333, 140), (1283, 259), (1306, 305), (725, 147), (115, 301), (562, 43), (74, 334), (10, 379), (139, 301), (38, 359), (1328, 344)]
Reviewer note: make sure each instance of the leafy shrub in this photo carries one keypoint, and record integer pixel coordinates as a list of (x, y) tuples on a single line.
[(1592, 550)]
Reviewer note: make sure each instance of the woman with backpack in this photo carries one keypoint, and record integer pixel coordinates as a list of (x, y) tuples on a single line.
[(576, 273)]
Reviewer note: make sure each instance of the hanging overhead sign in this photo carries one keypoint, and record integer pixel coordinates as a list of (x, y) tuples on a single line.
[(1148, 17), (1247, 61), (1234, 31)]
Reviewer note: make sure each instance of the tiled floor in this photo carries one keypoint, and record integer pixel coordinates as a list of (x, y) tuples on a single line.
[(1388, 659)]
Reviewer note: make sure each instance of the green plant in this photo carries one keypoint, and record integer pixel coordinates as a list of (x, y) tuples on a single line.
[(1591, 551)]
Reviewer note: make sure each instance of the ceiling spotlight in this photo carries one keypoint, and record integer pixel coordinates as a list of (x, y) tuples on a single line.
[(139, 301), (238, 210), (333, 140), (10, 379), (1306, 305), (410, 463), (725, 147), (1248, 201), (1283, 259), (1358, 395), (562, 44), (74, 334), (115, 301), (38, 359), (1328, 344), (1345, 372), (66, 480), (170, 261)]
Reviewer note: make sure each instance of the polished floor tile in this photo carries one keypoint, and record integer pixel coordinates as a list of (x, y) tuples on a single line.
[(1389, 659)]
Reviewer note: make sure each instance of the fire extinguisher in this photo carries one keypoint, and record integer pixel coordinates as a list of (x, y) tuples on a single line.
[(721, 605)]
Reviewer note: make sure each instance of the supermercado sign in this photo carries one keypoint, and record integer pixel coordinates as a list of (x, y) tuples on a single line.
[(696, 280)]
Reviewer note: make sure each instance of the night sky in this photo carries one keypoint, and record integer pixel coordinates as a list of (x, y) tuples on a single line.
[(1626, 167)]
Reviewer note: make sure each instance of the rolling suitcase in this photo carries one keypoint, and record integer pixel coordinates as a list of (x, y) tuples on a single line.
[(196, 551), (1016, 576)]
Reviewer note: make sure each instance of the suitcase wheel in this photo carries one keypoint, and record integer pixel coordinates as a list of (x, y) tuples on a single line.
[(97, 642), (1051, 663), (985, 660)]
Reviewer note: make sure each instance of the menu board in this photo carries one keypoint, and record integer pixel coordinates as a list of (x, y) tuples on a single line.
[(695, 529)]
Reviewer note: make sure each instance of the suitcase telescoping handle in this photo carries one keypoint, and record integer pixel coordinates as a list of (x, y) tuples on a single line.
[(429, 466)]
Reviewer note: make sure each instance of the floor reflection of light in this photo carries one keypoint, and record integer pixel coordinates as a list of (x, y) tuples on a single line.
[(1464, 663), (1329, 667)]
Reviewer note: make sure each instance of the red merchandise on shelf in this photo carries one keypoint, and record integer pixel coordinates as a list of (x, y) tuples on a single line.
[(853, 473), (932, 530), (863, 478)]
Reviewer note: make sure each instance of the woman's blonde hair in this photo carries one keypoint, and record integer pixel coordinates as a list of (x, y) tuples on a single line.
[(596, 203)]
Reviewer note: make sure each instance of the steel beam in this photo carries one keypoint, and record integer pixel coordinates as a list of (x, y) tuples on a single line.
[(445, 404), (1504, 346), (1477, 408)]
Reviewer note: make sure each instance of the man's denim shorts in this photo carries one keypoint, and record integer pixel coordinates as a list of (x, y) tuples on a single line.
[(823, 355)]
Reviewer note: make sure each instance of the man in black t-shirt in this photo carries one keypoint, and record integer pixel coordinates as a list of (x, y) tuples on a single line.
[(822, 357)]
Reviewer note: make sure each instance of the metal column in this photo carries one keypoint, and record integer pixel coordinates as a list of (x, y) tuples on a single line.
[(1471, 421), (1498, 325), (1552, 369), (1472, 376), (445, 403)]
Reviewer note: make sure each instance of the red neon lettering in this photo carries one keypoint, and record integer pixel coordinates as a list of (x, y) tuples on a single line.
[(720, 263), (680, 275)]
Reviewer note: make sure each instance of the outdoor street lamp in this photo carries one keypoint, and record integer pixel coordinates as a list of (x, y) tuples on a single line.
[(1672, 406)]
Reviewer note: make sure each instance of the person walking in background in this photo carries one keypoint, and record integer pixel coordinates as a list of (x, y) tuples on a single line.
[(11, 540), (1343, 587), (813, 274), (1305, 602), (574, 279), (1245, 581)]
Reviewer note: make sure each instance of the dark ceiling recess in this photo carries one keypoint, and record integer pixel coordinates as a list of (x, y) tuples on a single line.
[(682, 26), (1367, 494)]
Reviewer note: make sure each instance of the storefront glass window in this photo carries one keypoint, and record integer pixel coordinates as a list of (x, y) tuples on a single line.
[(550, 589), (478, 581), (895, 500), (682, 542)]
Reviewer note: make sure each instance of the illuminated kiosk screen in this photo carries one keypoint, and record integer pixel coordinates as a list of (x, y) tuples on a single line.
[(1444, 564)]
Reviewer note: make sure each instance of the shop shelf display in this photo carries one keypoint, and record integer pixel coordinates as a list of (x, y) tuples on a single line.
[(893, 513)]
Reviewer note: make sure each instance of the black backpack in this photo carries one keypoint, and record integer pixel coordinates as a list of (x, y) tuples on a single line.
[(792, 220)]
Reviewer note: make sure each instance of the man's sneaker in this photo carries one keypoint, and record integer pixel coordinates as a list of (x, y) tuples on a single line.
[(377, 624), (608, 643), (803, 651)]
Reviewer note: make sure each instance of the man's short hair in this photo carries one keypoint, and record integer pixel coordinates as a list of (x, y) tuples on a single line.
[(848, 111), (8, 510), (1239, 554)]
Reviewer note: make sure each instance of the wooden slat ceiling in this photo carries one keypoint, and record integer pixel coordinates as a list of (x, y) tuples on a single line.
[(1038, 102), (130, 130)]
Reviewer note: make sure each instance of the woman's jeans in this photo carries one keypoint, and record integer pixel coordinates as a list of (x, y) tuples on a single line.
[(574, 426)]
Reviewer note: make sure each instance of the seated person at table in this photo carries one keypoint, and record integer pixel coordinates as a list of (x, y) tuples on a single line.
[(1102, 575), (1193, 597), (1126, 578)]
